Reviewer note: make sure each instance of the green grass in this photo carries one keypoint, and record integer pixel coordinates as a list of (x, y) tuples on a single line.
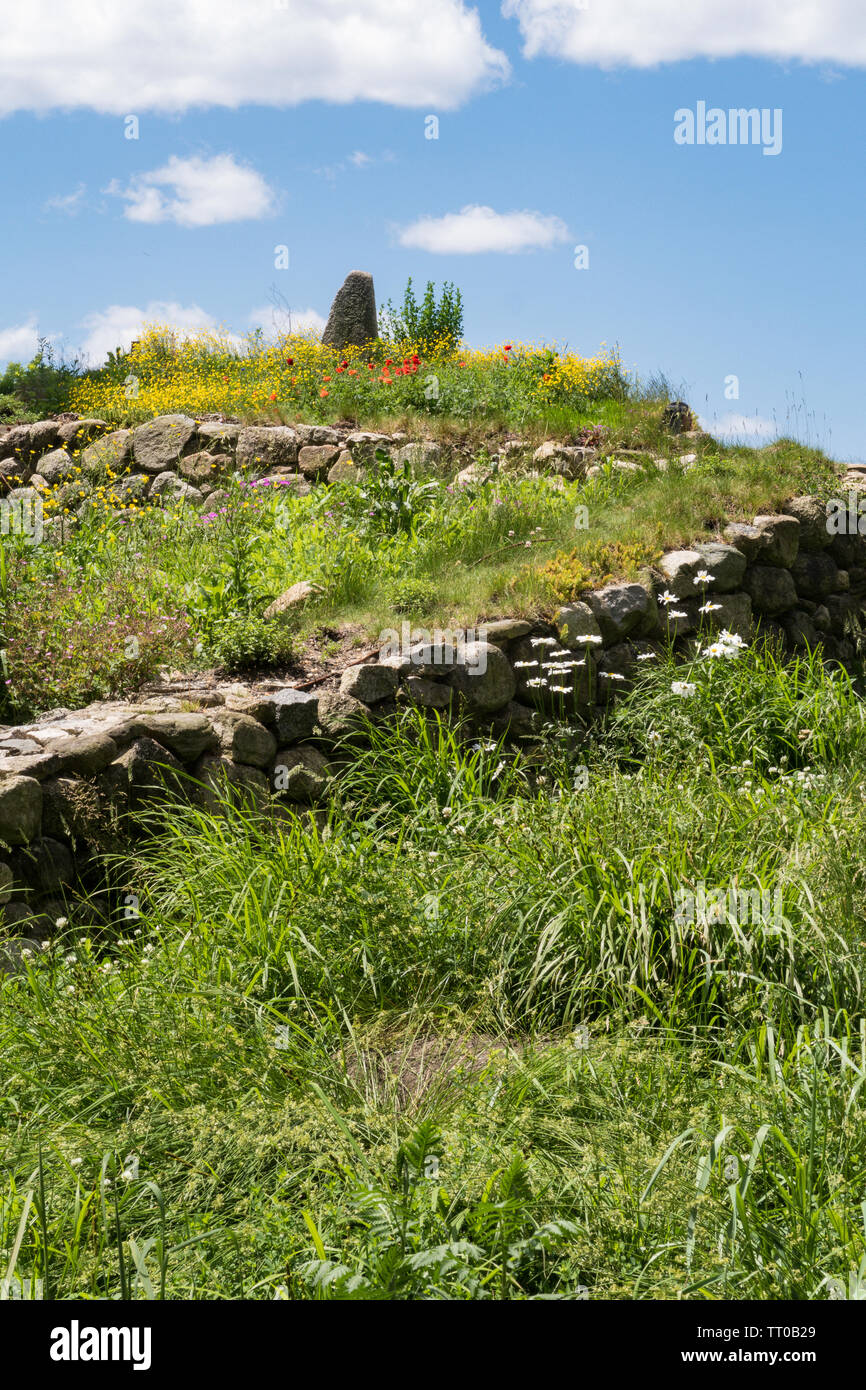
[(657, 1109)]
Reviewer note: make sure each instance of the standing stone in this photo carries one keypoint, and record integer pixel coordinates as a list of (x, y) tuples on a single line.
[(352, 320)]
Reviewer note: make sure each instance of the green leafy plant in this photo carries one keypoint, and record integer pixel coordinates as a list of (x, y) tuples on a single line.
[(432, 328)]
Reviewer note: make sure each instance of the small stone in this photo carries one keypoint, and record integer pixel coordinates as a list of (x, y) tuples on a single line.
[(243, 739), (575, 621), (502, 630), (316, 460), (770, 588), (811, 513), (427, 694), (266, 447)]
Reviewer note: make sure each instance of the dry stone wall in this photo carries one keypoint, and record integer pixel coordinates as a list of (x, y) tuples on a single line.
[(71, 781)]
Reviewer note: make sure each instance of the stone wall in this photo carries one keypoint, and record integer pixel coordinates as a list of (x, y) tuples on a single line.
[(70, 780)]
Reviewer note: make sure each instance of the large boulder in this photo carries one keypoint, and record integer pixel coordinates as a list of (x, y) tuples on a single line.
[(158, 444), (143, 773), (57, 467), (186, 735), (725, 563), (352, 320), (219, 779)]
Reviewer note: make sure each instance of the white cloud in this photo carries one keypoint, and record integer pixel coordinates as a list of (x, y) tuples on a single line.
[(279, 320), (119, 324), (66, 202), (474, 229), (359, 159), (641, 34), (196, 192), (171, 55), (739, 427), (19, 344)]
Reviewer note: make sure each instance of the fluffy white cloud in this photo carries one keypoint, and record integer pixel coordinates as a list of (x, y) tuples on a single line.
[(640, 34), (18, 344), (196, 193), (476, 228), (170, 55), (733, 427), (119, 324), (277, 321), (66, 202)]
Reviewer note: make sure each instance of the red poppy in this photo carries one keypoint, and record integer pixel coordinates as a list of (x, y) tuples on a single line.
[(273, 396), (388, 361), (324, 391), (507, 347), (343, 366), (415, 359), (370, 365), (326, 378), (290, 361)]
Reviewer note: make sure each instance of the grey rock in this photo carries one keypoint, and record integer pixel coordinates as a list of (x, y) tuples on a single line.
[(427, 694), (7, 880), (186, 735), (369, 682), (20, 809), (501, 630), (483, 677), (725, 563), (315, 434), (219, 438), (300, 773), (316, 460), (75, 434), (800, 630), (745, 538), (296, 713), (848, 550), (565, 459), (811, 513), (43, 436), (734, 613), (57, 467), (574, 622), (364, 444), (46, 865), (200, 468), (342, 717), (420, 454), (263, 447), (158, 444), (770, 588), (113, 451), (144, 773), (243, 739), (344, 470), (82, 755), (219, 779), (815, 574), (781, 535), (623, 610), (678, 569), (352, 321), (282, 607), (133, 488)]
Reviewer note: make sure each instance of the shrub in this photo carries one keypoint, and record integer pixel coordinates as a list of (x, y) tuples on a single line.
[(409, 595), (243, 641), (598, 562), (430, 327)]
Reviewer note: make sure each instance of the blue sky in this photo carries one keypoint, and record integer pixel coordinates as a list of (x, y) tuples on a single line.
[(277, 124)]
